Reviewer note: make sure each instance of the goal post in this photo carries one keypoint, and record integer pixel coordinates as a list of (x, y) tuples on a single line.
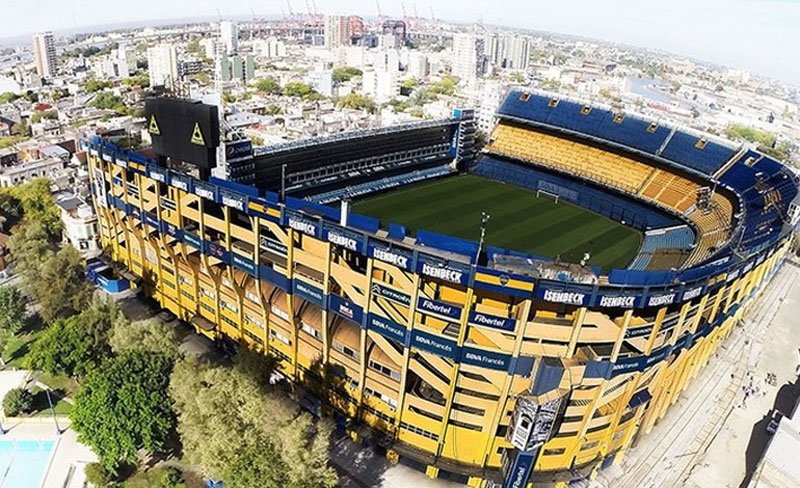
[(554, 196)]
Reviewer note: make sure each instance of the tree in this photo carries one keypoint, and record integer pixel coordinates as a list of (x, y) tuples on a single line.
[(193, 46), (61, 287), (142, 81), (410, 84), (76, 345), (97, 475), (269, 85), (149, 335), (20, 129), (94, 85), (240, 430), (17, 401), (345, 74), (6, 97), (302, 90), (108, 101), (12, 310), (38, 205), (358, 102), (273, 109), (30, 246), (123, 406)]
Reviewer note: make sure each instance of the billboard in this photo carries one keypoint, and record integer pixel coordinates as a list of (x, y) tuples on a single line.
[(183, 129)]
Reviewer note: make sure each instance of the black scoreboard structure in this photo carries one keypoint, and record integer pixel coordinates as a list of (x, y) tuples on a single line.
[(184, 130)]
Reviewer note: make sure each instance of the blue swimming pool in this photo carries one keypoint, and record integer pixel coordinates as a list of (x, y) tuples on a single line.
[(23, 463)]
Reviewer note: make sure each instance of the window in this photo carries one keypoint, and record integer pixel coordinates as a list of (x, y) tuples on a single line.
[(652, 127), (229, 306), (554, 452), (589, 445), (252, 297), (553, 103), (188, 295), (422, 432), (465, 425), (254, 320), (280, 313), (184, 281), (524, 97), (384, 370), (380, 415), (280, 337), (384, 398), (346, 350), (586, 110), (618, 118), (310, 331)]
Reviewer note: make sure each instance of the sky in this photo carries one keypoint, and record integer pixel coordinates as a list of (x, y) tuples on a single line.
[(762, 36)]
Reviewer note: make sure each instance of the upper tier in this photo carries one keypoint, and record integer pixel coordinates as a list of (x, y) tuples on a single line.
[(695, 152)]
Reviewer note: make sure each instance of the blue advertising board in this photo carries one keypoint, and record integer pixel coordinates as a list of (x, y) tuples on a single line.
[(345, 309), (387, 328), (439, 308), (434, 344)]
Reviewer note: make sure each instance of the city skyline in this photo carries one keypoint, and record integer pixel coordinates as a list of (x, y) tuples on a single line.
[(754, 35)]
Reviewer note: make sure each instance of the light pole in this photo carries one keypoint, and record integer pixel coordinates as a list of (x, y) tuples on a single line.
[(484, 220), (52, 410)]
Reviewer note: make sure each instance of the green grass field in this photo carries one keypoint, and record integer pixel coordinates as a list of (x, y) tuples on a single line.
[(519, 220)]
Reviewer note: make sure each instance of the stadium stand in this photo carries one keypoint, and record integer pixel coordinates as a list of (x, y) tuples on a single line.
[(766, 189), (688, 150), (380, 185), (664, 187), (696, 152), (622, 129), (571, 157), (664, 248)]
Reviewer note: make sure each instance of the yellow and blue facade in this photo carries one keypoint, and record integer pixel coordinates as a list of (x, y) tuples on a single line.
[(423, 345)]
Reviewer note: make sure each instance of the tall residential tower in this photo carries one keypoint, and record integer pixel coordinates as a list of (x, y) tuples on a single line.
[(44, 53)]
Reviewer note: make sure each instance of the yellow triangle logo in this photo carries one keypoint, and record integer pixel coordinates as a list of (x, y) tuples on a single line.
[(153, 128), (197, 135)]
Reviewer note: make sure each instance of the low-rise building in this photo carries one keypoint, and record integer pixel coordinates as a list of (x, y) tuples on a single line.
[(80, 223), (21, 173)]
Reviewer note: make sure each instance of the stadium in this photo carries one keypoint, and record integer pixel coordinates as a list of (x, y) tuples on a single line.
[(510, 316)]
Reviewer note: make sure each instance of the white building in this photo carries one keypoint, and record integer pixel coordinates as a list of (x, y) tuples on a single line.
[(417, 66), (162, 64), (381, 85), (80, 224), (490, 97), (23, 172), (469, 60), (271, 48), (44, 54), (321, 80), (510, 51), (229, 35)]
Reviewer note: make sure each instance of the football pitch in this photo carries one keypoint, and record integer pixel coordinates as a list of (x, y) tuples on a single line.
[(520, 220)]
